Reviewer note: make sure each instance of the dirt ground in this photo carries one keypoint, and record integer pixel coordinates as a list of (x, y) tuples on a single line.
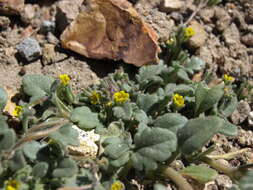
[(226, 45)]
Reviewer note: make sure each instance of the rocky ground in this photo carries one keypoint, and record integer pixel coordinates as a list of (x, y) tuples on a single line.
[(224, 40)]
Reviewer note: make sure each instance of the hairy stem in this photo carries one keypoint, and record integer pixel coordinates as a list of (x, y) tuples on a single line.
[(232, 172), (228, 156), (177, 178)]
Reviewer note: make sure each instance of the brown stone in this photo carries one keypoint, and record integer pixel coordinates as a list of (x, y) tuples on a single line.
[(67, 11), (11, 7), (111, 29)]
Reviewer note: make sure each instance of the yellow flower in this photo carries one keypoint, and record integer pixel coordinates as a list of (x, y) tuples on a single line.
[(12, 185), (121, 97), (64, 78), (178, 100), (170, 41), (17, 111), (117, 185), (109, 104), (189, 32), (228, 78), (95, 97)]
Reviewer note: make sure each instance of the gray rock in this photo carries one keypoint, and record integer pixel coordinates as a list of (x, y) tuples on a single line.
[(47, 26), (207, 15), (4, 22), (241, 113), (223, 18), (231, 35), (171, 5), (247, 39), (29, 48)]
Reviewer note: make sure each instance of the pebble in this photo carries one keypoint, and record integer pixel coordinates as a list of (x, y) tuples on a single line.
[(4, 22), (29, 48), (199, 39), (47, 26), (248, 39), (241, 113), (171, 5)]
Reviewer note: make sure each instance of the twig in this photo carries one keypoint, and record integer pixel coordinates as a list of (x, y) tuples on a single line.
[(177, 178), (199, 7), (85, 187), (228, 156)]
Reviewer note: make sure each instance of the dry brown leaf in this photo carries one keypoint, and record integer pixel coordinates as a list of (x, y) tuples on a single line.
[(111, 29)]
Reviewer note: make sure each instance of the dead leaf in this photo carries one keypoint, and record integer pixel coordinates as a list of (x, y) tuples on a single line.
[(111, 29)]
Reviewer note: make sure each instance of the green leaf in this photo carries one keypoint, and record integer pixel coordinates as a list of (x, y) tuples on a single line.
[(197, 132), (123, 112), (66, 168), (37, 86), (182, 74), (159, 186), (40, 170), (182, 89), (146, 101), (228, 129), (117, 150), (18, 161), (147, 72), (206, 98), (229, 106), (85, 118), (31, 149), (3, 99), (152, 145), (202, 174), (3, 123), (195, 64), (66, 135), (171, 121), (7, 139), (246, 182), (140, 116)]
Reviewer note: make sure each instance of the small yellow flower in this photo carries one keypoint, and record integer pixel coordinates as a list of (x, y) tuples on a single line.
[(95, 97), (178, 100), (117, 185), (121, 97), (17, 111), (64, 78), (109, 104), (170, 41), (12, 185), (228, 78), (189, 32)]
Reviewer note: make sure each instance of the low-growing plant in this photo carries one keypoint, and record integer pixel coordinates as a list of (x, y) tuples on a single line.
[(144, 124)]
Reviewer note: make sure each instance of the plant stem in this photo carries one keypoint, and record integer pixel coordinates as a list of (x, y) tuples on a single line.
[(228, 156), (233, 173), (177, 178)]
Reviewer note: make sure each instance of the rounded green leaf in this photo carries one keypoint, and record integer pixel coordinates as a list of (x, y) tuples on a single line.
[(197, 132), (202, 174)]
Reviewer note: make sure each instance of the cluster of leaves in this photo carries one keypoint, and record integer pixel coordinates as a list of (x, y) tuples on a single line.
[(143, 127)]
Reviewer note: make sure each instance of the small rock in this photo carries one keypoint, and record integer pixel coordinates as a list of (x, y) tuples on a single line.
[(47, 26), (247, 39), (223, 18), (11, 7), (29, 48), (241, 113), (231, 35), (52, 39), (250, 119), (171, 5), (28, 13), (200, 36), (207, 15), (245, 138), (67, 11), (4, 22), (223, 182)]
